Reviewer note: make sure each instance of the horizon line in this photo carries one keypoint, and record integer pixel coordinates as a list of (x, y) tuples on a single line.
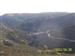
[(32, 12)]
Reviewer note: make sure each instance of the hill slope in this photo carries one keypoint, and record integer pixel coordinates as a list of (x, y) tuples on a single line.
[(59, 25)]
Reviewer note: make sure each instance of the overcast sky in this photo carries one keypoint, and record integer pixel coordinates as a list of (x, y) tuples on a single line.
[(36, 6)]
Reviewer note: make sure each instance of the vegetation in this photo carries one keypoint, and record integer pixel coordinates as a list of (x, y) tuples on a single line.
[(21, 34), (21, 48)]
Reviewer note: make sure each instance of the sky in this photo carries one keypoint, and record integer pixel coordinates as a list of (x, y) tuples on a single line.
[(36, 6)]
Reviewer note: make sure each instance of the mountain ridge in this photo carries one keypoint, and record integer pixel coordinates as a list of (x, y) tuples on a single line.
[(55, 22)]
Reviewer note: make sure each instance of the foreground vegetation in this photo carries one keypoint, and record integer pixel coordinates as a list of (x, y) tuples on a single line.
[(20, 47)]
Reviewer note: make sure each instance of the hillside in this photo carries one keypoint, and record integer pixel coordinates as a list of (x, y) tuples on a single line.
[(54, 29), (41, 22)]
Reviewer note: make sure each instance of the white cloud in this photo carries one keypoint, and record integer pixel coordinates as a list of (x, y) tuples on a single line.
[(34, 6)]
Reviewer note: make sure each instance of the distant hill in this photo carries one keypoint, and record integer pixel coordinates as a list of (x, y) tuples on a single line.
[(59, 24)]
